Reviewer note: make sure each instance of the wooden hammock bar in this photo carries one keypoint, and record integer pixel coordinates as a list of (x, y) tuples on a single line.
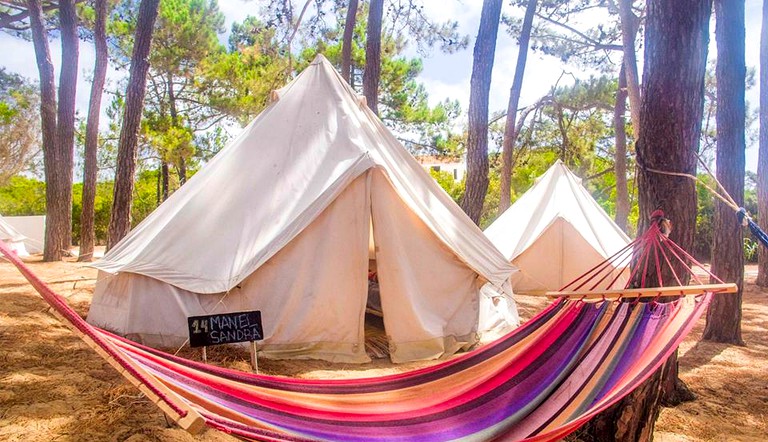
[(193, 422), (649, 292)]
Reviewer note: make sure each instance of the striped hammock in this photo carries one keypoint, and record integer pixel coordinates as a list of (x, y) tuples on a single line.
[(539, 383)]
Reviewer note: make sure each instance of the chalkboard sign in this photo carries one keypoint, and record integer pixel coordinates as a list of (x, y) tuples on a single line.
[(225, 328)]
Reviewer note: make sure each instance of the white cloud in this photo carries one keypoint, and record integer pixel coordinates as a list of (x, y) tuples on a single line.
[(448, 75), (235, 11), (464, 11), (439, 90)]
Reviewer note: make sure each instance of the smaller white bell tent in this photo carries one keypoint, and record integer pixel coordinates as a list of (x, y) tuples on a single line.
[(13, 238), (286, 219), (555, 232)]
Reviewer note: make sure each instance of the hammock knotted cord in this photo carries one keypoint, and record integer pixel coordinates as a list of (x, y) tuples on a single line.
[(653, 249), (724, 197), (538, 383), (757, 232)]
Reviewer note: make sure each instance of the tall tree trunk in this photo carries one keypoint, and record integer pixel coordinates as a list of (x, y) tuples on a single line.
[(346, 48), (87, 234), (182, 165), (762, 163), (165, 179), (620, 161), (510, 134), (54, 229), (564, 141), (629, 26), (65, 121), (158, 190), (670, 119), (182, 170), (480, 85), (373, 55), (724, 314), (120, 221)]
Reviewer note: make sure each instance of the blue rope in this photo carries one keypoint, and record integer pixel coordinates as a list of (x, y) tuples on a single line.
[(753, 227)]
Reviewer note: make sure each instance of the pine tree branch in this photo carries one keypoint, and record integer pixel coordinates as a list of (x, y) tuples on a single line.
[(586, 39)]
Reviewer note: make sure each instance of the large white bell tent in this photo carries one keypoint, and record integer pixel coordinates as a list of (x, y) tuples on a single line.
[(555, 232), (281, 221), (13, 238)]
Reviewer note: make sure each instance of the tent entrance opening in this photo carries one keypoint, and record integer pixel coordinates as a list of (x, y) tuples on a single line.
[(376, 341)]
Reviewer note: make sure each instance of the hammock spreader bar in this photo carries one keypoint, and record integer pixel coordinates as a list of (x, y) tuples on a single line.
[(646, 292), (538, 383)]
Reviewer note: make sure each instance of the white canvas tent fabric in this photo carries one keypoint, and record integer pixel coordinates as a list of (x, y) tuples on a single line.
[(555, 232), (13, 238), (32, 227), (291, 204)]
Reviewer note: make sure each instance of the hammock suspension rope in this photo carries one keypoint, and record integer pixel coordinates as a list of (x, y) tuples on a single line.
[(725, 197)]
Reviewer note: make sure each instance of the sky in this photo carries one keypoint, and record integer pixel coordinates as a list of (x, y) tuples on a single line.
[(444, 75)]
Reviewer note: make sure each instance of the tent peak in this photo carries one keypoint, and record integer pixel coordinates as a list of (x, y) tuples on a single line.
[(560, 166), (320, 59)]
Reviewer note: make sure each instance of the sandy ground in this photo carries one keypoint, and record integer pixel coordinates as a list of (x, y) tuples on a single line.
[(54, 388)]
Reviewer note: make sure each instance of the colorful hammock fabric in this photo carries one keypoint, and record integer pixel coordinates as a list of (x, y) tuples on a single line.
[(753, 227), (540, 382)]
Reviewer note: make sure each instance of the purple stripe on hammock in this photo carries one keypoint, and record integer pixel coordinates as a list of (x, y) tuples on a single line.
[(576, 381), (655, 364), (649, 324)]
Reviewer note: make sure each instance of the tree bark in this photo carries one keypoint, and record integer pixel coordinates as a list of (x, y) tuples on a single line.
[(54, 229), (480, 84), (346, 48), (372, 72), (629, 26), (165, 179), (87, 234), (158, 191), (670, 122), (762, 163), (627, 423), (724, 314), (182, 170), (120, 221), (564, 141), (65, 122), (620, 161), (510, 134), (181, 165)]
